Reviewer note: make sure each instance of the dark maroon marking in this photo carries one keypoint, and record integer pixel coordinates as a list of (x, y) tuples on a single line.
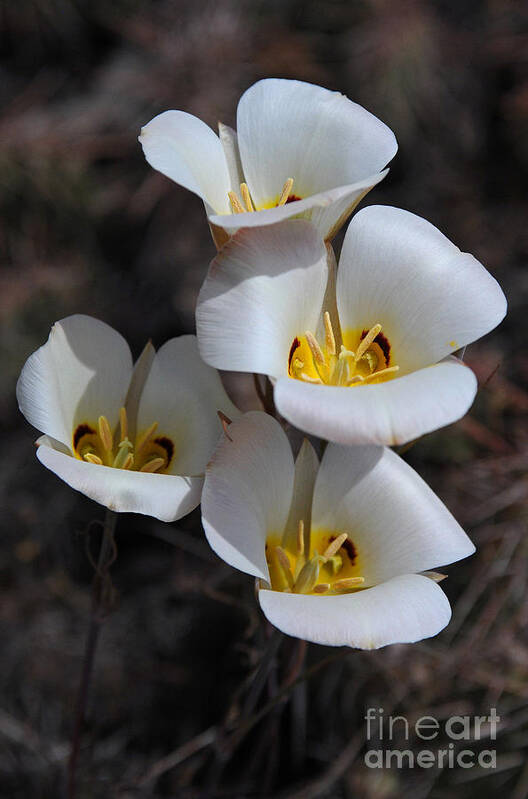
[(382, 342), (296, 343), (80, 431), (292, 199), (349, 548), (166, 444)]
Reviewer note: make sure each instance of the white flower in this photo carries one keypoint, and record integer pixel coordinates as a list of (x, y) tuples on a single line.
[(155, 424), (298, 149), (364, 358), (335, 547)]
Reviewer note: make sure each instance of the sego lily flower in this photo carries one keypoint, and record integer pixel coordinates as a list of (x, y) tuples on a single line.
[(364, 357), (298, 149), (335, 546), (132, 438)]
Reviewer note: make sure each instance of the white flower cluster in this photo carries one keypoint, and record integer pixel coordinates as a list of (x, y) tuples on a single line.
[(360, 354)]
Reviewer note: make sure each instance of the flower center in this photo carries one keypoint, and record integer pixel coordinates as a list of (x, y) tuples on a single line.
[(326, 563), (246, 204), (97, 444), (368, 363)]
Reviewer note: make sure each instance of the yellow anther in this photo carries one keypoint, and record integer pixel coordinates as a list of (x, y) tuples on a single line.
[(153, 465), (309, 379), (105, 434), (145, 438), (300, 537), (348, 583), (285, 193), (284, 565), (123, 452), (129, 460), (314, 347), (329, 334), (322, 588), (335, 545), (381, 373), (308, 576), (365, 343), (237, 206), (244, 191), (123, 424), (91, 458)]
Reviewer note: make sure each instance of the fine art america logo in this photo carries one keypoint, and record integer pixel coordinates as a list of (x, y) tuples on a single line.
[(451, 736)]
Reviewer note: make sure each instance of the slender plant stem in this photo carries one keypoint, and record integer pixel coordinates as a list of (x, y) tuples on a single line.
[(101, 591)]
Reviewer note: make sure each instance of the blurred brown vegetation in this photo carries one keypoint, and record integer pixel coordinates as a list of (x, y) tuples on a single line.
[(185, 659)]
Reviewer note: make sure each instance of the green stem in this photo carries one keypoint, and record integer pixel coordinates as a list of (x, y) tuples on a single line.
[(101, 587)]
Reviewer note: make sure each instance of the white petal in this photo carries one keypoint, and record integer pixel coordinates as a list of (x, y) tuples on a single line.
[(183, 395), (306, 466), (186, 150), (321, 139), (248, 491), (166, 497), (406, 609), (327, 210), (395, 522), (264, 288), (82, 372), (229, 140), (393, 412), (399, 270)]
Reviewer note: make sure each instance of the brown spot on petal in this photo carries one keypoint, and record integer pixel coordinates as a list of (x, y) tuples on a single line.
[(349, 548), (296, 343), (166, 444), (382, 342), (80, 431), (292, 199)]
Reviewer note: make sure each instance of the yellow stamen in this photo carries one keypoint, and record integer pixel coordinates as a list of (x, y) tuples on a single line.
[(347, 583), (365, 343), (314, 347), (309, 379), (374, 375), (329, 334), (284, 564), (300, 537), (91, 458), (145, 438), (244, 191), (285, 193), (237, 206), (129, 460), (335, 545), (123, 423), (105, 434), (308, 576), (321, 588), (152, 465)]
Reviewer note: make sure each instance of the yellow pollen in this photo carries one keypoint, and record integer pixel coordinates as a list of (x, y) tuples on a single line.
[(321, 363), (285, 193), (296, 565), (105, 434), (300, 537), (152, 465), (248, 206), (329, 334), (244, 191), (91, 458), (97, 444), (365, 343), (123, 423), (237, 206), (315, 348), (335, 545), (347, 583)]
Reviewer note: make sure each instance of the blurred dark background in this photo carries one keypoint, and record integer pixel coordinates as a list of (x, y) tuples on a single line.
[(87, 226)]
